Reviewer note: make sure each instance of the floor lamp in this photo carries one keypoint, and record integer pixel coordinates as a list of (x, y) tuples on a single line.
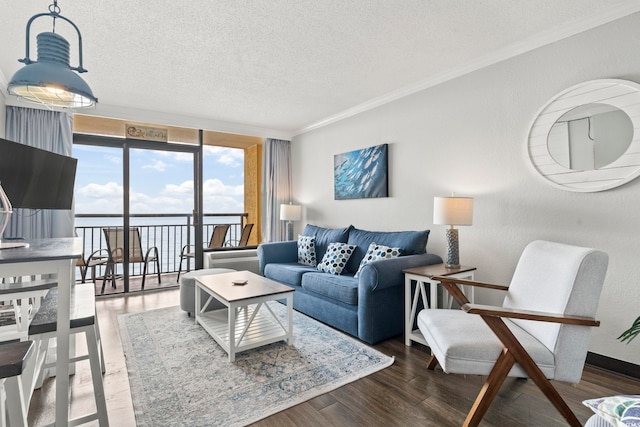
[(290, 213), (452, 211)]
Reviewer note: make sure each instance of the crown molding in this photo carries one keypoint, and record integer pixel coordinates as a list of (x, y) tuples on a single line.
[(544, 38)]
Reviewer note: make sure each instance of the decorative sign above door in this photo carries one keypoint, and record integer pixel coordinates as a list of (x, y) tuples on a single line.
[(145, 132)]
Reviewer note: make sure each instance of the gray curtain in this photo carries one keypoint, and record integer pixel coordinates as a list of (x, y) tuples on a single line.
[(276, 182), (48, 130)]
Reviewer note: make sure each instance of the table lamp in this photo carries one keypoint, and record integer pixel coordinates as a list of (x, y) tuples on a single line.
[(452, 211), (290, 213)]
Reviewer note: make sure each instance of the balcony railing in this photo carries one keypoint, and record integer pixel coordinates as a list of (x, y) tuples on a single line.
[(168, 232)]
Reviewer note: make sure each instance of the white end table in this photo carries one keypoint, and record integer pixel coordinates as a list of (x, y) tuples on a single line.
[(422, 276)]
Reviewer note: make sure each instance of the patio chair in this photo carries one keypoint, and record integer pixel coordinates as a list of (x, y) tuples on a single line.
[(541, 331), (98, 257), (217, 241), (114, 237), (244, 237)]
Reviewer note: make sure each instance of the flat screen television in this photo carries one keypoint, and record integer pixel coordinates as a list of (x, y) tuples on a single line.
[(35, 178)]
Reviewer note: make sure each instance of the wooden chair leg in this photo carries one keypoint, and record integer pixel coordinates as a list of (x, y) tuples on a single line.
[(523, 358), (432, 363), (490, 388)]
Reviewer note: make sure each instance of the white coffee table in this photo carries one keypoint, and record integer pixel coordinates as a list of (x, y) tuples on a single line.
[(246, 322)]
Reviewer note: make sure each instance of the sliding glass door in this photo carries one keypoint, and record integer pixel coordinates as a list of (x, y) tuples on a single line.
[(145, 187), (161, 205)]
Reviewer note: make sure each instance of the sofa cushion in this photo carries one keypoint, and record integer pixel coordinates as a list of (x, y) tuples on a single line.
[(287, 273), (376, 252), (335, 258), (307, 250), (339, 288), (324, 236), (409, 243)]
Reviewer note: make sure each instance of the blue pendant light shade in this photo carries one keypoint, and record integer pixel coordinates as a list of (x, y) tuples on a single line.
[(50, 80)]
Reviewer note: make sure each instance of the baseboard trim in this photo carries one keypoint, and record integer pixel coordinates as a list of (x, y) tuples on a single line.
[(615, 365)]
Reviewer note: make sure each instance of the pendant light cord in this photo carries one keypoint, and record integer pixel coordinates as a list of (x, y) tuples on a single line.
[(54, 9)]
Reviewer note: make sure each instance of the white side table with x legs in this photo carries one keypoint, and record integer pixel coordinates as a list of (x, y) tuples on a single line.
[(424, 276)]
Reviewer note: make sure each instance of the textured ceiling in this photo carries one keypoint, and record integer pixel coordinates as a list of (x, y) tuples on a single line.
[(287, 65)]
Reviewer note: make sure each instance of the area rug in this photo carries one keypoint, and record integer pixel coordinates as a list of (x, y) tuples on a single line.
[(180, 376)]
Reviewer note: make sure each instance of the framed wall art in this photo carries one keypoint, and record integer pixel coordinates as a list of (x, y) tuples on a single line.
[(361, 174)]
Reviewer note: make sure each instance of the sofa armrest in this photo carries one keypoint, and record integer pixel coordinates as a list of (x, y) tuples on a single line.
[(277, 252), (381, 295), (384, 273)]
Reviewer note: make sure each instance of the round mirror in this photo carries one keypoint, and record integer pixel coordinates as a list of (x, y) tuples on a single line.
[(583, 139), (590, 137)]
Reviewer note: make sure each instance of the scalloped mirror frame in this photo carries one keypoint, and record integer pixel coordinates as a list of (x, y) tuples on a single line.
[(622, 94)]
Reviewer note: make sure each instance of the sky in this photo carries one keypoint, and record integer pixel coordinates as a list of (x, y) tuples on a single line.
[(161, 181)]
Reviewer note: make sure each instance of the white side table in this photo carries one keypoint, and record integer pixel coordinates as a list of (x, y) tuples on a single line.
[(423, 276)]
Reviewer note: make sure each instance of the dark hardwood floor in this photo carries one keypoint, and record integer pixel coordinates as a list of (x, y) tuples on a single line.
[(405, 394)]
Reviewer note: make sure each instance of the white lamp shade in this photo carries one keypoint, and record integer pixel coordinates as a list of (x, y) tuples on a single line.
[(290, 212), (453, 210)]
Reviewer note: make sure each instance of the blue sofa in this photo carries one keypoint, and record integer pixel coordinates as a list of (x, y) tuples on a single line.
[(370, 306)]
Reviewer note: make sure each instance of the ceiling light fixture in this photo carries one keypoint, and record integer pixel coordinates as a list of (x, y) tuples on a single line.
[(50, 80)]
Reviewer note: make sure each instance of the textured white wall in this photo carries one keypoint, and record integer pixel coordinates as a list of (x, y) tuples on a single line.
[(469, 135)]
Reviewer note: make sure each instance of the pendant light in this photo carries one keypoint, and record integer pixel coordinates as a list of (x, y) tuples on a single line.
[(50, 80)]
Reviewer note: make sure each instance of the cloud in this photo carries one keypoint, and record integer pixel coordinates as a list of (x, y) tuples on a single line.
[(158, 165), (99, 198), (215, 187), (174, 198), (179, 189), (113, 159), (233, 157), (222, 204), (142, 203), (94, 191), (174, 155)]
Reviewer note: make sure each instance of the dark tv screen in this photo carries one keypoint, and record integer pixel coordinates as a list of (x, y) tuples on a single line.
[(35, 178)]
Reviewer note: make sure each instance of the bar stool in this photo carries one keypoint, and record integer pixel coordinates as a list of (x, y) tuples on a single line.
[(24, 298), (83, 320), (14, 358)]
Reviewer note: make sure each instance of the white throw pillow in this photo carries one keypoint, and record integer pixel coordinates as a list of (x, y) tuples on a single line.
[(336, 257), (621, 411), (376, 252), (307, 250)]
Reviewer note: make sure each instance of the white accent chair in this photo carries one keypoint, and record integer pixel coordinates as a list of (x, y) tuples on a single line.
[(541, 331)]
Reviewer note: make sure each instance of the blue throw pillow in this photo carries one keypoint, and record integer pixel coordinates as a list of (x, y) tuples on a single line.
[(324, 236), (335, 258), (409, 242), (376, 252), (307, 250)]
